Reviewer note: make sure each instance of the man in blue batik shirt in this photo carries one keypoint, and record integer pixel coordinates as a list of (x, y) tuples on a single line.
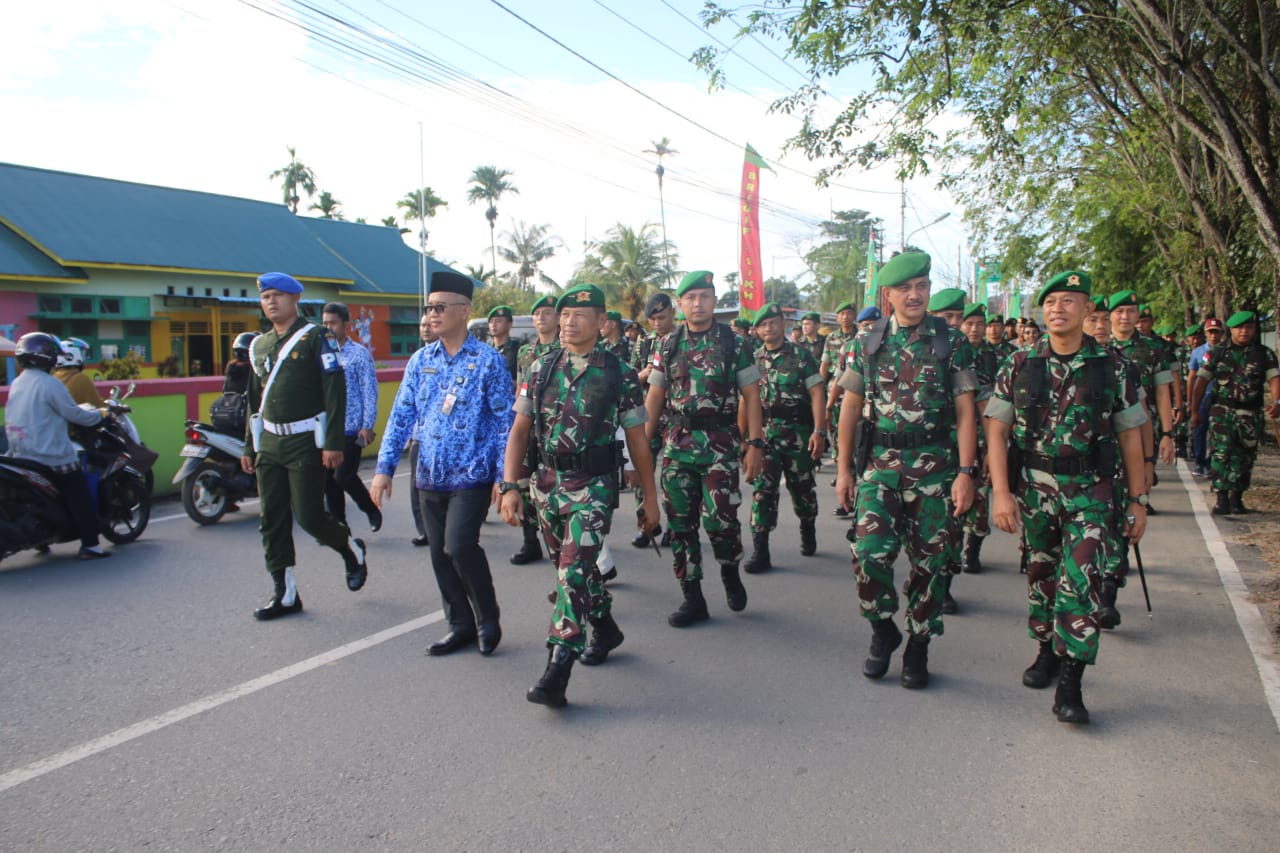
[(362, 412), (456, 401)]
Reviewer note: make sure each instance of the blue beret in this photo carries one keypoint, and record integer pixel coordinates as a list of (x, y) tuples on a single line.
[(871, 312), (280, 281)]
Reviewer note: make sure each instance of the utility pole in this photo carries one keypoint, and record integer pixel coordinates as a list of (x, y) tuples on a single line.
[(902, 215)]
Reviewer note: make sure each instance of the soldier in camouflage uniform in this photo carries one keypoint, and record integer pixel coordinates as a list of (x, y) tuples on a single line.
[(917, 374), (996, 338), (612, 339), (831, 363), (974, 524), (1239, 372), (1154, 373), (699, 371), (948, 305), (547, 326), (795, 429), (661, 314), (1069, 409), (1169, 356), (570, 409), (742, 327), (810, 338), (500, 320)]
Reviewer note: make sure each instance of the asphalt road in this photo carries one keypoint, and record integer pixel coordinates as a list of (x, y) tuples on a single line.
[(751, 731)]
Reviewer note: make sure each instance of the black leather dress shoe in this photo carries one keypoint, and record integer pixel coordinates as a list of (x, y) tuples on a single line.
[(489, 639), (375, 519), (451, 642), (420, 542), (274, 609), (357, 566)]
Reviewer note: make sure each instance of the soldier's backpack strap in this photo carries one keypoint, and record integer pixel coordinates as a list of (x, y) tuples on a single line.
[(613, 382), (871, 349), (1034, 378), (1097, 377), (545, 372)]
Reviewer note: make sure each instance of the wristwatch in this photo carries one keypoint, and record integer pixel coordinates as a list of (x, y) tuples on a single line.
[(756, 442), (821, 432), (507, 486), (971, 470), (1141, 500), (1151, 460)]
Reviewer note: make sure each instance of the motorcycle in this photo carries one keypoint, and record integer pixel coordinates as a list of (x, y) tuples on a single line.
[(32, 514), (211, 477)]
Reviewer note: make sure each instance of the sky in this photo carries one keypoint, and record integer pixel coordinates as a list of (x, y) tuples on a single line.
[(208, 94)]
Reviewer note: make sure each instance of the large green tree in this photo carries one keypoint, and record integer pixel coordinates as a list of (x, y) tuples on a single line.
[(628, 264), (488, 185), (295, 177)]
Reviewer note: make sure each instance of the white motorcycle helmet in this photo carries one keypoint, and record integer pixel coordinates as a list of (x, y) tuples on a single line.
[(73, 353)]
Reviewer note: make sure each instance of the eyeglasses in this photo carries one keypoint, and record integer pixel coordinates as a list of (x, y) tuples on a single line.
[(439, 307)]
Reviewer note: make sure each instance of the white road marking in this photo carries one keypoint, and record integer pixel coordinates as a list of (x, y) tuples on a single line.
[(36, 769), (1248, 617)]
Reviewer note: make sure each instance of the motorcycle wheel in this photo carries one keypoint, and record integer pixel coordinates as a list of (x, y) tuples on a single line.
[(203, 497), (127, 508)]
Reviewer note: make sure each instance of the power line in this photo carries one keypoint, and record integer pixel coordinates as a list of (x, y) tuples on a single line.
[(728, 49)]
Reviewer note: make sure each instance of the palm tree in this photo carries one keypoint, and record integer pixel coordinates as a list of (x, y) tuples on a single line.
[(488, 184), (480, 274), (662, 148), (328, 206), (527, 246), (420, 205), (629, 264), (295, 175)]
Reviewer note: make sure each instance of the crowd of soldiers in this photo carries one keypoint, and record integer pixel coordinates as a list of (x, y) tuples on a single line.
[(942, 418)]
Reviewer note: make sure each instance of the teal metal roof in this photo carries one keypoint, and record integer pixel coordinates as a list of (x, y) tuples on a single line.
[(20, 258), (86, 220)]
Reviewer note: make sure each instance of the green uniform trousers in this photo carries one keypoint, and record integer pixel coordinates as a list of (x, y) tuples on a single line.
[(291, 485), (689, 490), (574, 525)]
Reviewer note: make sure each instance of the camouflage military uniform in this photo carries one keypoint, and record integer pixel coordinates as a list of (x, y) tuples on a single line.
[(529, 353), (787, 374), (1066, 515), (1152, 362), (1182, 432), (622, 349), (511, 355), (815, 345), (833, 355), (976, 522), (904, 496), (700, 471), (574, 508), (1238, 375)]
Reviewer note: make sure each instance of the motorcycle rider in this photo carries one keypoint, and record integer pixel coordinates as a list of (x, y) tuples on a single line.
[(239, 368), (35, 423), (70, 371)]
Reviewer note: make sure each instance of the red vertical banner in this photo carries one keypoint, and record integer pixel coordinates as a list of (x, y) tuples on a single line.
[(751, 275)]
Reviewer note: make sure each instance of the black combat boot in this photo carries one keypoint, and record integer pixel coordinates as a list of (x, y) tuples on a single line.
[(1043, 668), (915, 663), (357, 564), (1068, 702), (970, 562), (808, 538), (605, 637), (641, 540), (759, 561), (840, 512), (692, 609), (550, 688), (949, 605), (885, 638), (666, 538), (284, 602), (1236, 500), (531, 551), (735, 593), (1223, 506), (1108, 615)]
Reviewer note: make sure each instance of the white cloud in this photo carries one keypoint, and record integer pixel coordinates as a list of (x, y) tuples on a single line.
[(210, 100)]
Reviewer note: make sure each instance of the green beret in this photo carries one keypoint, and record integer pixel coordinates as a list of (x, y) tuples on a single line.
[(995, 318), (1144, 310), (814, 316), (1164, 329), (544, 301), (904, 267), (845, 306), (501, 311), (768, 311), (582, 296), (1240, 318), (947, 299), (615, 316), (1121, 299), (1192, 330), (742, 323), (1070, 281), (679, 316), (977, 309), (696, 280), (1100, 303)]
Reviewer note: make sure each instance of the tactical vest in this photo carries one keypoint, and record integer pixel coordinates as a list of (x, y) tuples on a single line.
[(603, 392), (727, 413), (1031, 394), (1235, 387), (940, 350)]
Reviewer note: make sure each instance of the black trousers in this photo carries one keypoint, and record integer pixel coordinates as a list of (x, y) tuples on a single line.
[(453, 522), (345, 480), (74, 488), (414, 503)]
